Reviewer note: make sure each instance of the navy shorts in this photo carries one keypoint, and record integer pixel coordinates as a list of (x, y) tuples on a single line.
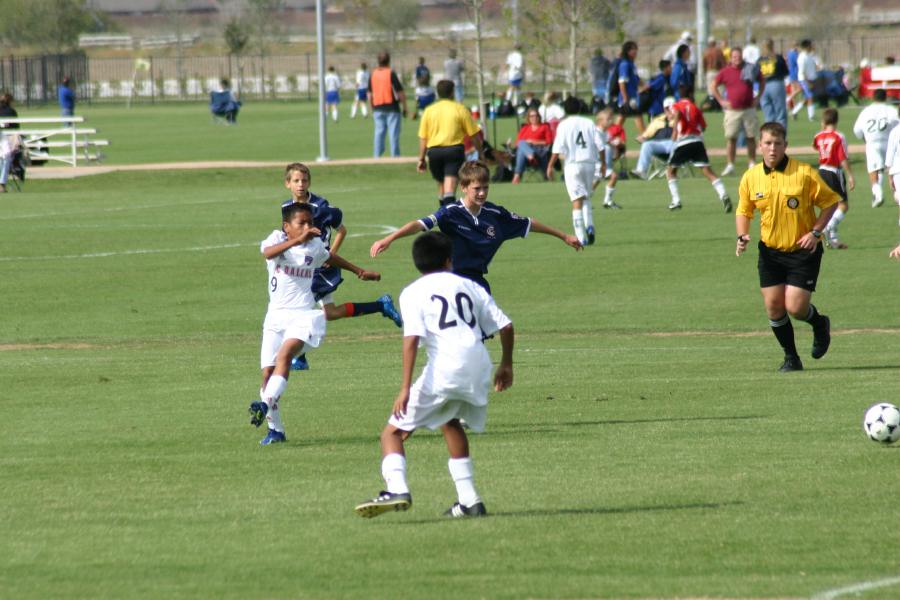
[(325, 281), (332, 97), (422, 102), (799, 269)]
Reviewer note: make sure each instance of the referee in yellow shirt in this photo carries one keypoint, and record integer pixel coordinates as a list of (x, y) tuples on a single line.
[(442, 131), (786, 192)]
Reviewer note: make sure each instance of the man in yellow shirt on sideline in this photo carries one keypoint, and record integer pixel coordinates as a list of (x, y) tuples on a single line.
[(786, 193), (442, 131)]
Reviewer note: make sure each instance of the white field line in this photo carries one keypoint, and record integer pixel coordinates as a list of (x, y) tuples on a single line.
[(382, 230), (856, 588)]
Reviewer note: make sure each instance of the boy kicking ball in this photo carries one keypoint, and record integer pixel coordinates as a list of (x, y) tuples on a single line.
[(446, 314), (294, 322)]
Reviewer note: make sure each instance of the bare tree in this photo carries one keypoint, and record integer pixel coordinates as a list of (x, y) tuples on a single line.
[(175, 12), (475, 7), (264, 28)]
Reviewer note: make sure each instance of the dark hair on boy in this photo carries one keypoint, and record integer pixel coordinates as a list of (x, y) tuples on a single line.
[(288, 212), (431, 251), (830, 116), (572, 105), (773, 128), (628, 47), (664, 64), (473, 171), (682, 51), (296, 167), (879, 95), (445, 88)]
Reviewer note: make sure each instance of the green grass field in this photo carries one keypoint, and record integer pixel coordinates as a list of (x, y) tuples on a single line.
[(648, 447)]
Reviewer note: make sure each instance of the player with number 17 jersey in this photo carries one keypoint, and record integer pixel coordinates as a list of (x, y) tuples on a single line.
[(450, 314)]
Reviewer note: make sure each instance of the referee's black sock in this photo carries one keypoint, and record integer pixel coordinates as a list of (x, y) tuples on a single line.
[(813, 317), (784, 333)]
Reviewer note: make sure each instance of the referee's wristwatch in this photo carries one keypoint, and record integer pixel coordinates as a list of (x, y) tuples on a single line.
[(816, 234)]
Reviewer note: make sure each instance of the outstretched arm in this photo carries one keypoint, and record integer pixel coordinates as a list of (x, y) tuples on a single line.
[(384, 243), (570, 240), (410, 349), (503, 377), (343, 263)]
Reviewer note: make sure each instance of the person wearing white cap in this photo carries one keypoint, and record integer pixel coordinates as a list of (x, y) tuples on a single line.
[(656, 139), (686, 38)]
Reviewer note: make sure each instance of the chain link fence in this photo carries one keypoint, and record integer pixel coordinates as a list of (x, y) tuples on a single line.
[(167, 78)]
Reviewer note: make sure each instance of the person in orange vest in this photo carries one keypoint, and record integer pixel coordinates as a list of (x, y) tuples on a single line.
[(388, 101)]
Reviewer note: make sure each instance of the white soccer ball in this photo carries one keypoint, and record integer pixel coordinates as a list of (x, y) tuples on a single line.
[(882, 423)]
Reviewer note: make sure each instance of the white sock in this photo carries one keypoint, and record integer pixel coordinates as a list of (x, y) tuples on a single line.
[(797, 107), (274, 389), (810, 111), (607, 199), (353, 111), (720, 188), (463, 473), (578, 223), (393, 469), (877, 193), (835, 220), (587, 213), (880, 178), (673, 189), (365, 110), (334, 114)]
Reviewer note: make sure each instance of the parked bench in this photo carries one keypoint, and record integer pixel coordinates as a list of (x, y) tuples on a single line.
[(40, 134)]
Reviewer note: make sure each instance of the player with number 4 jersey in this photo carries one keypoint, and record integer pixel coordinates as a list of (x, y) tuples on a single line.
[(874, 125)]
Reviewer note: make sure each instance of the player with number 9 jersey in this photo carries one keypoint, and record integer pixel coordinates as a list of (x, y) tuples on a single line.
[(451, 315)]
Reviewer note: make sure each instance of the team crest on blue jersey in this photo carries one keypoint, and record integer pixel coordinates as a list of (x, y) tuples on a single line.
[(490, 231), (307, 260), (793, 202)]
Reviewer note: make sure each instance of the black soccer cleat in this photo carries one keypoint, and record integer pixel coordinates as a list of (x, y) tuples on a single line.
[(791, 363), (258, 411), (458, 511), (821, 338), (384, 502)]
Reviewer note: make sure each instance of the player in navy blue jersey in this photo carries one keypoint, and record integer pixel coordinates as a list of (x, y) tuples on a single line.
[(328, 219), (477, 227)]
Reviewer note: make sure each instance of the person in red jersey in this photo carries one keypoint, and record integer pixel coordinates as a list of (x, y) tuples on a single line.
[(834, 168), (688, 148)]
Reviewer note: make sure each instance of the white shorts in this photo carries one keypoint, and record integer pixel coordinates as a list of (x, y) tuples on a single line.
[(875, 154), (280, 325), (326, 299), (431, 411), (579, 179), (896, 177)]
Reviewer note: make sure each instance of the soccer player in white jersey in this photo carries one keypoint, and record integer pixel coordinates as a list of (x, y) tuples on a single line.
[(332, 93), (892, 162), (448, 315), (807, 72), (294, 322), (576, 141), (362, 91), (874, 125)]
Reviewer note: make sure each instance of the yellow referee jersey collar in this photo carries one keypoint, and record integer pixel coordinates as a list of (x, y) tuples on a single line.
[(780, 167)]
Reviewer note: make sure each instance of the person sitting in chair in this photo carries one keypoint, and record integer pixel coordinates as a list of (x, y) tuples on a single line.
[(223, 103), (532, 145)]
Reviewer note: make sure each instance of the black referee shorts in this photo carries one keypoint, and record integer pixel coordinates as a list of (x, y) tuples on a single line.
[(445, 161), (692, 152), (799, 269), (835, 181)]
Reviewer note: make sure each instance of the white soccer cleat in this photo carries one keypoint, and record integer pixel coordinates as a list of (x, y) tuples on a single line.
[(728, 170)]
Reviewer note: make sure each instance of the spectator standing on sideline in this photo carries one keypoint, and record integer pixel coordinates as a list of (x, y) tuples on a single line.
[(672, 52), (600, 67), (453, 70), (630, 86), (388, 102), (660, 88), (793, 84), (751, 51), (444, 126), (874, 125), (807, 72), (362, 91), (739, 105), (66, 97), (713, 60), (515, 74), (786, 192), (681, 74), (774, 70)]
